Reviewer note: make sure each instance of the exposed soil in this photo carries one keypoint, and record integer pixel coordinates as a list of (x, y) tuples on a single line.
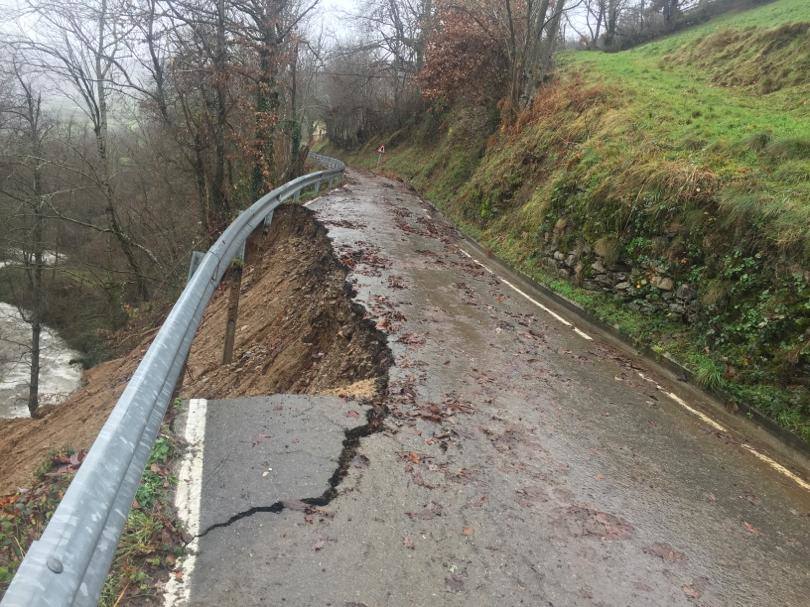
[(298, 331)]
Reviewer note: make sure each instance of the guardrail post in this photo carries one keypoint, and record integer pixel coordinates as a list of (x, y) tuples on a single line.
[(194, 263), (67, 565), (235, 279)]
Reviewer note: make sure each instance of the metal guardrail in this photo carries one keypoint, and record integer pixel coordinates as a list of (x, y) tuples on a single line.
[(67, 566)]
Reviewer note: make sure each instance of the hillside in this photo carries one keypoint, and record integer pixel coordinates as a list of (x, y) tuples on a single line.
[(323, 347), (666, 188)]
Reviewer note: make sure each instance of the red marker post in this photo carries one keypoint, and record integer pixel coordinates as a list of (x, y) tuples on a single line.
[(380, 151)]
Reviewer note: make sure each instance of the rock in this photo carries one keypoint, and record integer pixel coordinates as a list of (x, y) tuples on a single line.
[(677, 308), (558, 255), (622, 286), (619, 276), (598, 267), (570, 260), (564, 273), (662, 282), (685, 292), (603, 279), (606, 247)]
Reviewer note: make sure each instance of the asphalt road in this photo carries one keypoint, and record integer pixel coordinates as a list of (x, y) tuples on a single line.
[(525, 460)]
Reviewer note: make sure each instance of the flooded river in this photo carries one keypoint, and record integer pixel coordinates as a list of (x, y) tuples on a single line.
[(58, 376)]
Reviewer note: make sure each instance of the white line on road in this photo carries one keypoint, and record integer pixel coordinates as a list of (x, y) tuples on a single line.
[(583, 334), (708, 420), (759, 455), (705, 418), (777, 466), (187, 501), (527, 296), (537, 303)]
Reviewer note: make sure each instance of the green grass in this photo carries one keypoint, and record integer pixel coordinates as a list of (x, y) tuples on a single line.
[(672, 102), (149, 544), (673, 154)]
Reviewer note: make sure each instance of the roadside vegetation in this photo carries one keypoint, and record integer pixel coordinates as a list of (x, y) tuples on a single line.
[(152, 539), (683, 161)]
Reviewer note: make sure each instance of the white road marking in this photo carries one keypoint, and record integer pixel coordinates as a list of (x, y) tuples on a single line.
[(705, 418), (476, 261), (535, 302), (777, 466), (583, 334), (187, 501), (708, 420), (527, 296), (759, 455)]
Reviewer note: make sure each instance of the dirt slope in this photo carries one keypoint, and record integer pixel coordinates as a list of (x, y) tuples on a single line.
[(298, 331)]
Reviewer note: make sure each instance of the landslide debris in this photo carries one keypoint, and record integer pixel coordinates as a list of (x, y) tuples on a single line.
[(298, 331)]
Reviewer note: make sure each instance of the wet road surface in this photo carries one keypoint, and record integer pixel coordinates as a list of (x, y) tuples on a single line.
[(524, 461)]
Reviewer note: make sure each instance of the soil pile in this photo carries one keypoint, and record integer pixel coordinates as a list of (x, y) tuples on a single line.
[(298, 331)]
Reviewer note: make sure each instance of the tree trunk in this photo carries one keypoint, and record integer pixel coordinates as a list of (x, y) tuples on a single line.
[(101, 133), (220, 206), (35, 277), (267, 105), (550, 41), (533, 68)]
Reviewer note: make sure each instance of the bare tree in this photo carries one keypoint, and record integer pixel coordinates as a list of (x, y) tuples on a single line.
[(78, 50), (23, 184)]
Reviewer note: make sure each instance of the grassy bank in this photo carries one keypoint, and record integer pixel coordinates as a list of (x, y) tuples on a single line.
[(682, 162), (151, 540)]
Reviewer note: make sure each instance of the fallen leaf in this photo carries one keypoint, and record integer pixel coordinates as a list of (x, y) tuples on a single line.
[(414, 458), (691, 591), (319, 544), (750, 528), (468, 531), (407, 541), (665, 552)]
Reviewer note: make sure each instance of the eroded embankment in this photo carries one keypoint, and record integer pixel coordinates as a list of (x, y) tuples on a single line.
[(298, 331)]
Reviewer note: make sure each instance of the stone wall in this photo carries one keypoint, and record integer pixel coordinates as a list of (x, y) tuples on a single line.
[(645, 287)]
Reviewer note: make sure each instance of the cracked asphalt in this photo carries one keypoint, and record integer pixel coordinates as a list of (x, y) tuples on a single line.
[(521, 463)]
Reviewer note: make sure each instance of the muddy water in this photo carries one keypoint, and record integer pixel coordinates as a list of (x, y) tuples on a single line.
[(58, 375)]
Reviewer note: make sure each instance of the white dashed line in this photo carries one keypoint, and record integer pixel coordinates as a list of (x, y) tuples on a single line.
[(535, 302), (702, 416), (777, 466), (527, 296), (583, 334), (708, 420)]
